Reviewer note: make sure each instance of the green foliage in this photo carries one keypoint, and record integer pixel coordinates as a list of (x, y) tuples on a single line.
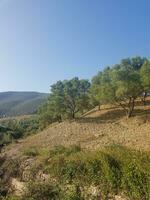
[(135, 62), (135, 182), (101, 90), (5, 138), (12, 129), (48, 113), (127, 82), (8, 168), (71, 96), (49, 191), (73, 194), (31, 152), (114, 170), (39, 190), (121, 84), (145, 75), (68, 98), (61, 150), (9, 198), (29, 125)]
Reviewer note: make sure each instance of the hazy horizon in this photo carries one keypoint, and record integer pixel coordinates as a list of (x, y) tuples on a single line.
[(42, 41), (20, 91)]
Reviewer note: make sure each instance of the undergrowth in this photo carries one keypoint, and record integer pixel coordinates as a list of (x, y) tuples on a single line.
[(114, 170)]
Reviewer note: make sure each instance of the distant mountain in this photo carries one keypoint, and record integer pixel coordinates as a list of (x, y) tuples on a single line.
[(20, 103)]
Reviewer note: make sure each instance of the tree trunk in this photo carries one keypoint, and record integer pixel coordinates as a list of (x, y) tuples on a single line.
[(99, 107), (144, 98), (59, 118), (73, 115), (131, 107)]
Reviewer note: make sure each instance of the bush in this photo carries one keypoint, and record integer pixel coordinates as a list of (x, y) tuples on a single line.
[(73, 194), (41, 191), (15, 129), (135, 182), (10, 198), (59, 150), (112, 169), (5, 138), (31, 152)]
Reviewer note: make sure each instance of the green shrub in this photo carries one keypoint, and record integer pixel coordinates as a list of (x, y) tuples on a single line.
[(41, 191), (31, 152), (73, 170), (111, 169), (114, 170), (59, 150), (8, 168), (5, 138), (73, 194), (16, 129), (135, 182), (10, 198), (111, 172)]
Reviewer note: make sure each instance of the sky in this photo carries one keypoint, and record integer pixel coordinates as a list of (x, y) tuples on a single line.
[(42, 41)]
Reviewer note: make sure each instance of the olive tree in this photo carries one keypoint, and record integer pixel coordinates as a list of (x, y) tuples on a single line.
[(127, 85), (67, 98), (145, 78), (119, 85)]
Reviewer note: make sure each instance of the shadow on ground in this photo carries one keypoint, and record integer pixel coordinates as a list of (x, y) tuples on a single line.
[(112, 116), (109, 116)]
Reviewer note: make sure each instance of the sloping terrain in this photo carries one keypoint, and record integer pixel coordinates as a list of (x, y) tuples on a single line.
[(96, 130), (20, 103)]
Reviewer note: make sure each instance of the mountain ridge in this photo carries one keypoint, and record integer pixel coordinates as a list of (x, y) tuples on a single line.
[(15, 103)]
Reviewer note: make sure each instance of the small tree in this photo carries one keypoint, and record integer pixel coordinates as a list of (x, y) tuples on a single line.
[(95, 90), (145, 78), (102, 90), (67, 98), (127, 86), (120, 85), (75, 96)]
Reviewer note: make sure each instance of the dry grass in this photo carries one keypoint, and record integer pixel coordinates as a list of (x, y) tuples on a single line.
[(96, 129)]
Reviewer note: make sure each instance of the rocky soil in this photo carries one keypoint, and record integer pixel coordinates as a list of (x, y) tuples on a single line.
[(95, 130)]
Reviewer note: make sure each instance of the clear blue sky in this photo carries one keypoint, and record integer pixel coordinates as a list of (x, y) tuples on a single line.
[(42, 41)]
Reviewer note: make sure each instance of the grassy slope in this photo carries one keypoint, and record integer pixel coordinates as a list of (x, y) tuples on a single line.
[(20, 103), (94, 131)]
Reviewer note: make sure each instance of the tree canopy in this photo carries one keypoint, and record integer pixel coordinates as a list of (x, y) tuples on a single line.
[(120, 84), (68, 98)]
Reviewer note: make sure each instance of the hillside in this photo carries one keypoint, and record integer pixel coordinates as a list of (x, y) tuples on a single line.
[(75, 150), (76, 154), (96, 130), (20, 103)]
